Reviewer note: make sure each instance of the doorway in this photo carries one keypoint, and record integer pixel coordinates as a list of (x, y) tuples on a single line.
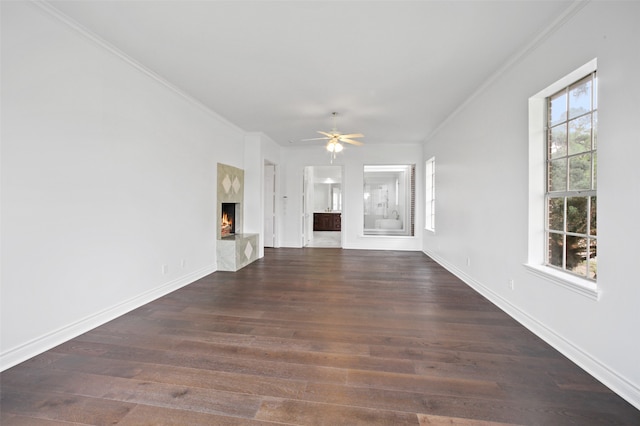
[(269, 230), (323, 206)]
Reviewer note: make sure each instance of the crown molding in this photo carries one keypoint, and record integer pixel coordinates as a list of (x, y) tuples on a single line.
[(47, 7), (556, 24)]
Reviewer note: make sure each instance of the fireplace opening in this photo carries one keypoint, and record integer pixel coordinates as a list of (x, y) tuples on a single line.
[(228, 219)]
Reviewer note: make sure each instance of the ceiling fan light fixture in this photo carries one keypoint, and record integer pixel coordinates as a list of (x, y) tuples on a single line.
[(334, 146), (336, 140)]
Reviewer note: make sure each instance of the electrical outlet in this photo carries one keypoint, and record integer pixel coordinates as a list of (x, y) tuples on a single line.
[(511, 284), (468, 261), (165, 269), (183, 263)]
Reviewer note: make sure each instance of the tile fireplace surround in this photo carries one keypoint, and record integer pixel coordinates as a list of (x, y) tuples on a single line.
[(235, 251)]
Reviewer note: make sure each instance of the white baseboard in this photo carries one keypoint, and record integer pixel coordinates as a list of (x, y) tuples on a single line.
[(614, 381), (54, 338)]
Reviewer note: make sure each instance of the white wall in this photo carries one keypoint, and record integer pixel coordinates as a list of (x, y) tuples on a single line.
[(353, 160), (482, 206), (107, 175)]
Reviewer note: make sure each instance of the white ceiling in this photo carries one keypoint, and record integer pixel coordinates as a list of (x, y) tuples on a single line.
[(393, 70)]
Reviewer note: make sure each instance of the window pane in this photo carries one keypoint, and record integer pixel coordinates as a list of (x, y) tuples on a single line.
[(595, 129), (558, 175), (558, 108), (595, 170), (555, 249), (580, 134), (593, 259), (576, 255), (556, 214), (580, 172), (558, 145), (580, 98), (595, 91), (571, 210), (433, 215), (594, 217), (577, 215)]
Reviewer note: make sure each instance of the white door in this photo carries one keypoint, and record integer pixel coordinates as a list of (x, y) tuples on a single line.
[(307, 206), (269, 205)]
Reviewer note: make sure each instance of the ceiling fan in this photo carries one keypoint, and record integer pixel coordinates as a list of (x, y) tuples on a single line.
[(336, 139)]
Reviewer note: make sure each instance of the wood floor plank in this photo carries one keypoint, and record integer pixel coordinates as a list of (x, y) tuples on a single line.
[(146, 415), (308, 413), (134, 391), (421, 401), (185, 376), (7, 419), (413, 383), (428, 420), (207, 361), (71, 408), (312, 337)]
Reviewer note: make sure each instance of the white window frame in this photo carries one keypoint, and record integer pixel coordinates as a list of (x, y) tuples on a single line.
[(537, 188), (430, 195)]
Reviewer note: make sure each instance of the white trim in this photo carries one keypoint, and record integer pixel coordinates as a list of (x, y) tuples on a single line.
[(576, 284), (406, 237), (52, 339), (605, 374)]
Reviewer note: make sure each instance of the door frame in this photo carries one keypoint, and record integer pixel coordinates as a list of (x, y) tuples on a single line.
[(269, 225)]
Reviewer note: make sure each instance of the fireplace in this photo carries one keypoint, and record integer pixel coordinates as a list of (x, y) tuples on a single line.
[(234, 248), (228, 219)]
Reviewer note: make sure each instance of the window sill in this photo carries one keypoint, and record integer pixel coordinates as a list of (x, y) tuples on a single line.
[(576, 284), (385, 236)]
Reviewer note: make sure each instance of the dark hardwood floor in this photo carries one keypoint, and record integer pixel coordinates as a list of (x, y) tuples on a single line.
[(311, 336)]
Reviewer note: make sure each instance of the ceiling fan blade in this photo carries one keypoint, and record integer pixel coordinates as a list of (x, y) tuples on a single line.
[(329, 135), (314, 139), (353, 135), (352, 142)]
